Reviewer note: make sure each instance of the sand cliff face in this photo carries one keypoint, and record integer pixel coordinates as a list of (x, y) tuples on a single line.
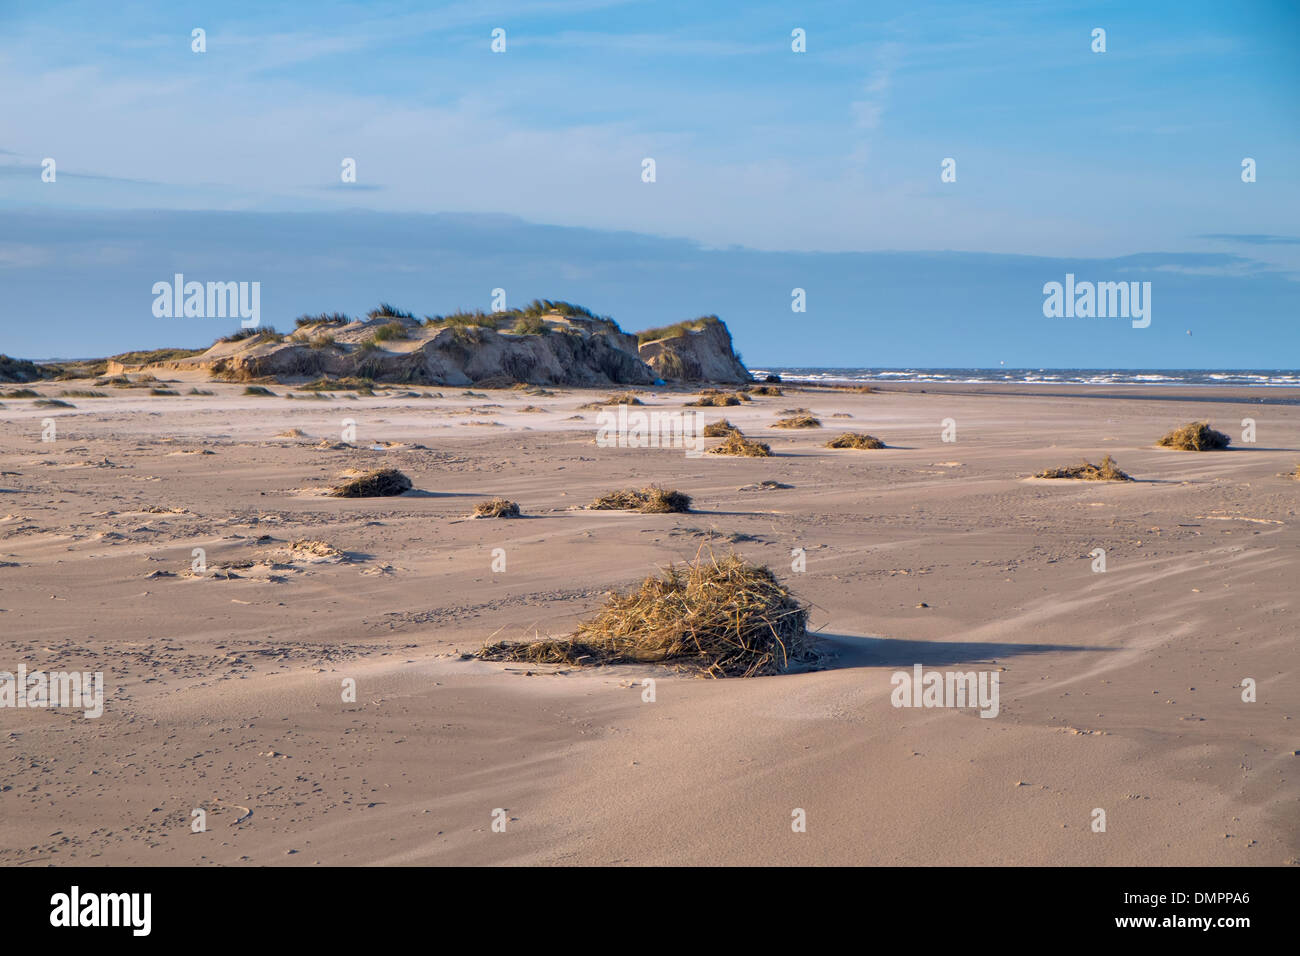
[(703, 354), (567, 350)]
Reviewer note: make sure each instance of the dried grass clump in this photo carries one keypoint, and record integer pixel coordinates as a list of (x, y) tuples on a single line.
[(798, 421), (305, 548), (1295, 474), (719, 617), (380, 483), (52, 403), (340, 384), (766, 390), (1106, 471), (257, 390), (651, 500), (291, 433), (627, 398), (738, 444), (855, 440), (1195, 436), (496, 508), (716, 400), (719, 429)]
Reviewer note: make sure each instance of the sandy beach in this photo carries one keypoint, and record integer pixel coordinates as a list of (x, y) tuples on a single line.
[(1120, 690)]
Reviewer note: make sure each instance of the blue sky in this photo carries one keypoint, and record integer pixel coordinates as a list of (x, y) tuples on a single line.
[(823, 167)]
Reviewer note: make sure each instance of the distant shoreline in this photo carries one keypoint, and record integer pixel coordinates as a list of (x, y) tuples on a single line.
[(1209, 378)]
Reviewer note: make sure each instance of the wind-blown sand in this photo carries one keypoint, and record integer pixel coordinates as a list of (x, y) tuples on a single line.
[(1119, 690)]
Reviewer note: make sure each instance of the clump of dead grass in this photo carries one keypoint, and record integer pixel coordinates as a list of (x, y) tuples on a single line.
[(379, 483), (649, 500), (718, 617), (766, 390), (855, 440), (798, 421), (626, 398), (737, 444), (719, 429), (1195, 436), (496, 508), (716, 399), (308, 548), (1106, 471)]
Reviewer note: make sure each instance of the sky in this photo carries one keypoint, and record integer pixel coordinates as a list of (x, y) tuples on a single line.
[(774, 170)]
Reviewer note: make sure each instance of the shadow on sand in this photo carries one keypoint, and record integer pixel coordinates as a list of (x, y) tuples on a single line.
[(844, 651)]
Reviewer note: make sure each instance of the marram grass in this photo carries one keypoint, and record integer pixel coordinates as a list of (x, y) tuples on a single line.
[(717, 617)]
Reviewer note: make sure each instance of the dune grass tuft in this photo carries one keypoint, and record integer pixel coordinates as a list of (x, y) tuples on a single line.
[(737, 444), (52, 403), (1195, 436), (1106, 471), (717, 617), (771, 390), (649, 500), (380, 483), (720, 429), (855, 440), (716, 400), (260, 390), (496, 508), (798, 421)]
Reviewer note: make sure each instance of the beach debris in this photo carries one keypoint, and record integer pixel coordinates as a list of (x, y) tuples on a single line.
[(310, 549), (719, 429), (738, 444), (1195, 436), (717, 399), (379, 483), (648, 500), (260, 390), (496, 508), (623, 398), (855, 440), (717, 617), (798, 421), (765, 485), (1106, 471)]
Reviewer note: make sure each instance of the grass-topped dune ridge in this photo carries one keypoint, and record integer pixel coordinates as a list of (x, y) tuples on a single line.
[(546, 342)]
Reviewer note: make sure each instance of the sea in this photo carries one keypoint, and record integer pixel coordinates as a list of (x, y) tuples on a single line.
[(1278, 378)]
